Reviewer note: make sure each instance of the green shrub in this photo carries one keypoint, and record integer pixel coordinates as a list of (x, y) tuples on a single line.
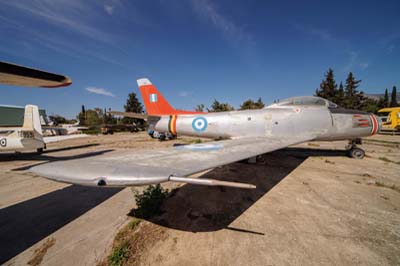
[(119, 255), (149, 202), (134, 223)]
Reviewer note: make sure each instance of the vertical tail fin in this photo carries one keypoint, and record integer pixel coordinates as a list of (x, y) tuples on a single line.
[(154, 102), (32, 119)]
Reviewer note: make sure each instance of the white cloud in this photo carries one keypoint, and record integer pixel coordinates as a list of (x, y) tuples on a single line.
[(183, 93), (322, 34), (109, 9), (354, 62), (100, 91), (72, 15), (390, 48), (364, 66), (209, 12)]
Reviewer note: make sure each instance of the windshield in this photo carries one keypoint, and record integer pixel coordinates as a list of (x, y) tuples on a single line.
[(306, 101)]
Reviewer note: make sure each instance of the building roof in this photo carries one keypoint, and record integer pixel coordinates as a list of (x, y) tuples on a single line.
[(13, 116)]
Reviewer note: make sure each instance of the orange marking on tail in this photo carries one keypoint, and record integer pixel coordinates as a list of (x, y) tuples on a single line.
[(156, 104)]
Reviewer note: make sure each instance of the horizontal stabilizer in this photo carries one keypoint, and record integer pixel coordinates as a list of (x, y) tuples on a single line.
[(130, 114), (24, 76), (210, 182)]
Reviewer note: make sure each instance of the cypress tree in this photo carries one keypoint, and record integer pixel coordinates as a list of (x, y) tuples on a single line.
[(393, 98), (386, 99), (82, 116)]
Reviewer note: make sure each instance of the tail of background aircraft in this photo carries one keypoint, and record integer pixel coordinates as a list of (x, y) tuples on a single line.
[(32, 119), (154, 102)]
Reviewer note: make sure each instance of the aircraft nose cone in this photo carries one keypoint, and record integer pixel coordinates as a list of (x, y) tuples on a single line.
[(378, 123)]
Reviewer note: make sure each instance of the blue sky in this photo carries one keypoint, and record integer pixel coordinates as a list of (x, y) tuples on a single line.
[(196, 50)]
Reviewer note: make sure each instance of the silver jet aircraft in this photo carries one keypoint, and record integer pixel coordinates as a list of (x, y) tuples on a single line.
[(245, 134)]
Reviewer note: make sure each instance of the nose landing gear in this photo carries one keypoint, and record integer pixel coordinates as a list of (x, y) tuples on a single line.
[(354, 151)]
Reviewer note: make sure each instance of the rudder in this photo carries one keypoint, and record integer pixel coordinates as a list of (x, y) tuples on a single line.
[(153, 100), (32, 119)]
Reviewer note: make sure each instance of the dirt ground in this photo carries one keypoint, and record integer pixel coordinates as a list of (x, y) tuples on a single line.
[(312, 206)]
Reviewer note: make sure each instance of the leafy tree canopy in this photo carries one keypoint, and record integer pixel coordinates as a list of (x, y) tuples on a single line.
[(220, 107), (250, 104)]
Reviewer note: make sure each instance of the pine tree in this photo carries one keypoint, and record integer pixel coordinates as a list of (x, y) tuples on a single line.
[(250, 104), (328, 87), (340, 96), (353, 98), (386, 99), (133, 105), (199, 108), (393, 98), (220, 107), (260, 104)]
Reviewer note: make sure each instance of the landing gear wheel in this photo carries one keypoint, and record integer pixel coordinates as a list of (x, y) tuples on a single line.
[(162, 137), (356, 153)]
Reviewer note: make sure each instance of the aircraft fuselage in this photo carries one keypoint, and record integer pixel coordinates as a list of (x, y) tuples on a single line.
[(279, 121)]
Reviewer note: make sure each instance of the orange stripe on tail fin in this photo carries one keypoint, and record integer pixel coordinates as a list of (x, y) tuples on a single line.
[(154, 102)]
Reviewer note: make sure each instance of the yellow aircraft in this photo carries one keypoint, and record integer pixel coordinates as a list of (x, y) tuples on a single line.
[(392, 119)]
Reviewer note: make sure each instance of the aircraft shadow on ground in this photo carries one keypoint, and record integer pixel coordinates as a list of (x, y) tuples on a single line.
[(24, 224), (6, 157), (48, 159), (197, 208)]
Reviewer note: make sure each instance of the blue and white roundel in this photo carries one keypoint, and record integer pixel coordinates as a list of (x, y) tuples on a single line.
[(199, 124)]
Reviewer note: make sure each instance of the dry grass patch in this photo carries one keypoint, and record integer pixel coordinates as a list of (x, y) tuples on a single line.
[(133, 242), (40, 252)]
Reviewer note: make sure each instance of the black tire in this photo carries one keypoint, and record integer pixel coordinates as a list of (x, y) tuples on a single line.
[(356, 153), (40, 150)]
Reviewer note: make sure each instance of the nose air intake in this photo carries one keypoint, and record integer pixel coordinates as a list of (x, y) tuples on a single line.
[(376, 124)]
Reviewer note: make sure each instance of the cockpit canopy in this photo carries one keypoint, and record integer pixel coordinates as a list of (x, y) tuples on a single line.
[(305, 101)]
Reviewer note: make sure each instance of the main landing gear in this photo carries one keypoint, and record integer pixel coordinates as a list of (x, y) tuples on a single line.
[(354, 151)]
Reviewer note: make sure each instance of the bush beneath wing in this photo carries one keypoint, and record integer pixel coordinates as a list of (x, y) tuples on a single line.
[(149, 202)]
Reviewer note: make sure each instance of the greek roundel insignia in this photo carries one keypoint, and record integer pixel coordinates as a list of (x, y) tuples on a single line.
[(153, 98), (3, 142), (199, 124)]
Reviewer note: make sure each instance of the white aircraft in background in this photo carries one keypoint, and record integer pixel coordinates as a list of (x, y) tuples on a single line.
[(27, 137), (30, 136)]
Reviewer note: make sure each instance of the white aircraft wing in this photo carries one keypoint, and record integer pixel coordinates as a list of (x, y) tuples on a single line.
[(62, 137), (130, 168), (129, 114)]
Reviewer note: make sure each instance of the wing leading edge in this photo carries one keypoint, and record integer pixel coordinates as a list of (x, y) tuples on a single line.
[(127, 168), (24, 76)]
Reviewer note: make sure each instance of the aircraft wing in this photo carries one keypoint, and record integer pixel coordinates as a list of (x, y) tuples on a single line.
[(62, 137), (24, 76), (130, 114), (130, 168)]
